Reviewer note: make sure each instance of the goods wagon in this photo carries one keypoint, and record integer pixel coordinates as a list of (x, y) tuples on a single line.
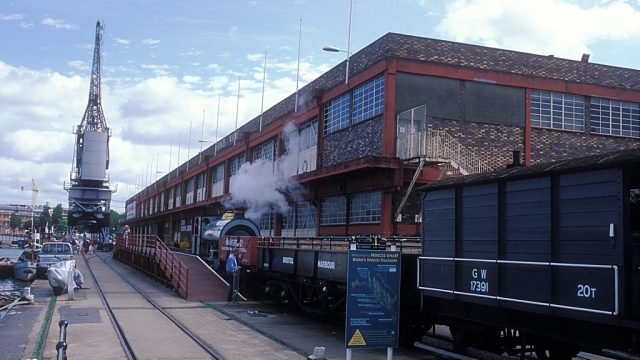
[(546, 255)]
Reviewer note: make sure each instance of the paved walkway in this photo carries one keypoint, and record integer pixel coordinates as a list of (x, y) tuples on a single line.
[(236, 331), (91, 334)]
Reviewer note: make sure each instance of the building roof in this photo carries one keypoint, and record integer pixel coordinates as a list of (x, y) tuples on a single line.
[(515, 62), (414, 48), (600, 161)]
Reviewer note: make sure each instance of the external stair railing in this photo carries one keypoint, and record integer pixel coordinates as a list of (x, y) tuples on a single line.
[(438, 146), (176, 272)]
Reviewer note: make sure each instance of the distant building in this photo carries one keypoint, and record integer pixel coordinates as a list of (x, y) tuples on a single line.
[(415, 110), (24, 212)]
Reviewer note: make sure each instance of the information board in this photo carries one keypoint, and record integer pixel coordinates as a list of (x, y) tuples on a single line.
[(373, 299)]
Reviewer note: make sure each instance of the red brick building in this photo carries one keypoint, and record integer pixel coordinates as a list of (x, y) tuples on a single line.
[(414, 110)]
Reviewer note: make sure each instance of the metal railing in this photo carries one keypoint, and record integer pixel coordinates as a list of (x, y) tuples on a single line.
[(176, 271), (341, 243), (437, 145)]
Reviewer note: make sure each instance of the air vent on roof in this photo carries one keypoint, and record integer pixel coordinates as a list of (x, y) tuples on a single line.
[(585, 58)]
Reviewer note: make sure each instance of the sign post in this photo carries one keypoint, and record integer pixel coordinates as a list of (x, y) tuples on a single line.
[(373, 300)]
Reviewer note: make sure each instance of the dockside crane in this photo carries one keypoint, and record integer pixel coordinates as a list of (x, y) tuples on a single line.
[(89, 191)]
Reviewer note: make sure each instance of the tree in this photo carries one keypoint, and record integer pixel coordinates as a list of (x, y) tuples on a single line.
[(114, 220), (45, 217), (56, 217), (15, 221)]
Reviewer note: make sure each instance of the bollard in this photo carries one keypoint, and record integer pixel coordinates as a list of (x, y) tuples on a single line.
[(318, 353), (61, 346), (70, 283)]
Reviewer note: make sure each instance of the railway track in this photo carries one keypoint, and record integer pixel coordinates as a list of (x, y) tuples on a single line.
[(181, 338), (187, 342)]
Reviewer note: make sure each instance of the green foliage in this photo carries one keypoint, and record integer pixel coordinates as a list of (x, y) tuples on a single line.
[(56, 217), (15, 221), (45, 217), (114, 220)]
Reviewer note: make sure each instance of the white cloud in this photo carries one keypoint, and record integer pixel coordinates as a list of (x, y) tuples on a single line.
[(232, 31), (255, 57), (151, 42), (190, 79), (79, 65), (562, 28), (26, 25), (11, 17), (159, 70), (214, 67), (191, 52), (58, 24), (122, 41)]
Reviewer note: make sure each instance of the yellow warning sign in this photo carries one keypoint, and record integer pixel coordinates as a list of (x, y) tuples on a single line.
[(357, 339)]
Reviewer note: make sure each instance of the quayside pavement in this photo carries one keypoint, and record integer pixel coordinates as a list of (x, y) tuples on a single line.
[(91, 335), (236, 331)]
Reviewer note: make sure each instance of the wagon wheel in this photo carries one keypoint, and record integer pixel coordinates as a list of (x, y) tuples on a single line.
[(555, 351)]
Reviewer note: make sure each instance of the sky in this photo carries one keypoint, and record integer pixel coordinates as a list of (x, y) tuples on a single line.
[(168, 67)]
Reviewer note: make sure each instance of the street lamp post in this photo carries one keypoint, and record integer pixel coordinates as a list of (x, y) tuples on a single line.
[(348, 51)]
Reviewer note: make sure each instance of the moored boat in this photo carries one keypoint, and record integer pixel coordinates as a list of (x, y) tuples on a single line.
[(25, 267)]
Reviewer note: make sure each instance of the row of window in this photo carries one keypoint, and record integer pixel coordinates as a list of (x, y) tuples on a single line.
[(567, 112), (367, 100), (363, 208), (304, 141)]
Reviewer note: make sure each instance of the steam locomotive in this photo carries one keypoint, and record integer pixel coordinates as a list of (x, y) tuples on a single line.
[(545, 257)]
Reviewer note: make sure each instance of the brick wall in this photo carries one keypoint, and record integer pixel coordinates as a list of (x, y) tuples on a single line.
[(550, 145), (493, 144), (352, 143)]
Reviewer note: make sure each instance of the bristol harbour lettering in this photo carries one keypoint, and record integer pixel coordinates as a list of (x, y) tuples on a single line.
[(327, 264)]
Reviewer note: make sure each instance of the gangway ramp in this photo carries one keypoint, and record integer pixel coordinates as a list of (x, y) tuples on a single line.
[(204, 284)]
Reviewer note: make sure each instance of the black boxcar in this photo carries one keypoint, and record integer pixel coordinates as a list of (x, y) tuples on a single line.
[(549, 254)]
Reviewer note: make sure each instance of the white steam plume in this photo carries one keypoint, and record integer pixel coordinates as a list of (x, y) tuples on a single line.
[(260, 187)]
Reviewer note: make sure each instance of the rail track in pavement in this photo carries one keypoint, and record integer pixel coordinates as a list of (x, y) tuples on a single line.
[(158, 323)]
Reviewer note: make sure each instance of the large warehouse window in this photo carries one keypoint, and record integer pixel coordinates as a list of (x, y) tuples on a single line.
[(178, 195), (365, 207), (266, 224), (265, 151), (235, 163), (200, 186), (299, 220), (171, 198), (333, 210), (557, 110), (614, 117), (234, 167), (217, 181), (336, 114), (189, 195), (368, 99)]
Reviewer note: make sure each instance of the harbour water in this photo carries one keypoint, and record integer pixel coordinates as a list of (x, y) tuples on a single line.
[(9, 287)]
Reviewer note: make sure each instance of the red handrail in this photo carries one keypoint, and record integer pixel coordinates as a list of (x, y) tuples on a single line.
[(174, 269)]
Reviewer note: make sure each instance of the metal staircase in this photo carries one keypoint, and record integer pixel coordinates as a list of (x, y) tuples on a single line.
[(436, 146)]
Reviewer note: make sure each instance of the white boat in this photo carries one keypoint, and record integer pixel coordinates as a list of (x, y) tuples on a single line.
[(24, 270), (25, 267)]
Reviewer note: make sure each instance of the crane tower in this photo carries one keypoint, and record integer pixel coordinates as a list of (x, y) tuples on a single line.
[(89, 192)]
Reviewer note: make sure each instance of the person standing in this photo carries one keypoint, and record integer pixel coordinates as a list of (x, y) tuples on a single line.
[(232, 271)]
